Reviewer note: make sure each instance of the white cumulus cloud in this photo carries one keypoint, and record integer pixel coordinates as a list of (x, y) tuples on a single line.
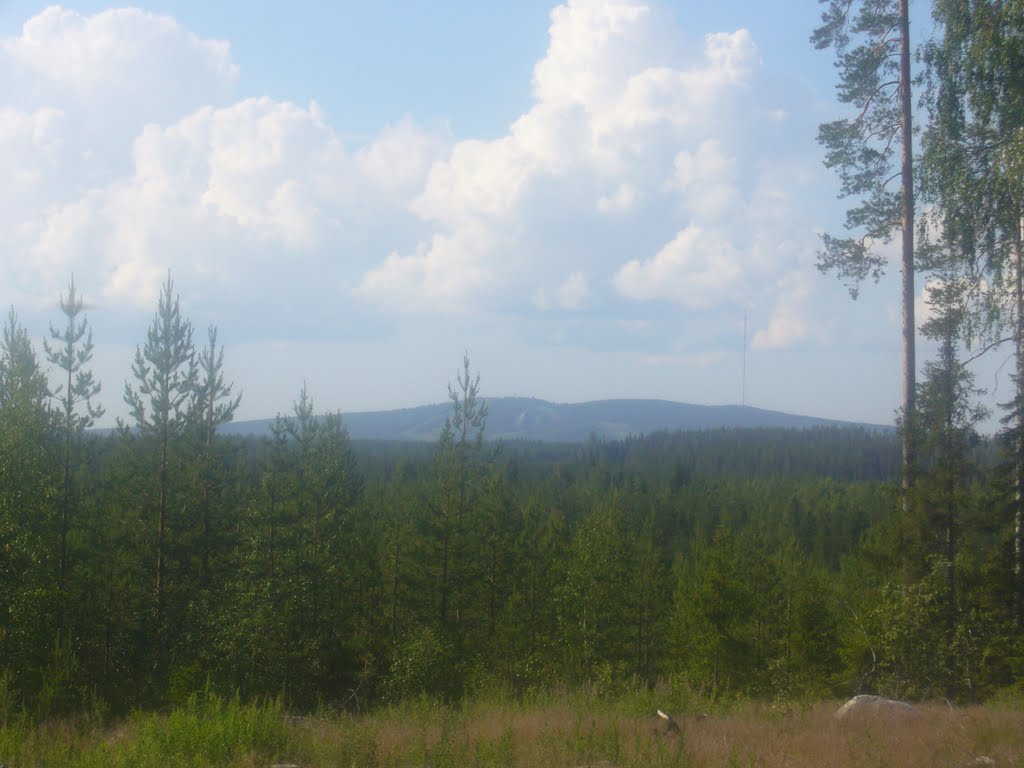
[(126, 152), (791, 320), (609, 119), (696, 269)]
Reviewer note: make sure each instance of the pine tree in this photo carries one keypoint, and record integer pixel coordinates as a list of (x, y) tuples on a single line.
[(161, 407), (22, 381), (214, 406), (71, 352), (456, 480), (871, 39)]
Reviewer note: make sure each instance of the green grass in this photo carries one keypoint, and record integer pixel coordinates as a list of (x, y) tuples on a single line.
[(206, 731), (569, 729)]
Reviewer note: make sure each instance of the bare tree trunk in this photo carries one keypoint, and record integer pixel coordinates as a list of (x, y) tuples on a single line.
[(909, 330)]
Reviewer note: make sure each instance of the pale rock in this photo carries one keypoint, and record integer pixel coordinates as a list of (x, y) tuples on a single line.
[(874, 706)]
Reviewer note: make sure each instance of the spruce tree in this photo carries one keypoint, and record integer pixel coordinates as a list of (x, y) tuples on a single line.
[(949, 414)]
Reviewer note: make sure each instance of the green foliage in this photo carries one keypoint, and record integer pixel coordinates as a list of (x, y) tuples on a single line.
[(8, 698), (208, 730), (423, 664), (165, 371), (595, 598), (27, 491), (974, 179), (972, 170), (71, 352), (863, 149), (713, 609), (215, 404), (60, 692), (456, 479), (22, 381)]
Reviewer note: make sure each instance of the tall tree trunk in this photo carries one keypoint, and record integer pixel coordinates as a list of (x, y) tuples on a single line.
[(950, 450), (1018, 457), (909, 330), (492, 592), (161, 522), (65, 514), (394, 588), (443, 608), (204, 574)]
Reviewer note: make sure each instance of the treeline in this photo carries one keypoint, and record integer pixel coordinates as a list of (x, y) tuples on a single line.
[(141, 566), (842, 453)]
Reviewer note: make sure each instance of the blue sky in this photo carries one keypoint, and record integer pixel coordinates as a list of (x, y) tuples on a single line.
[(587, 197)]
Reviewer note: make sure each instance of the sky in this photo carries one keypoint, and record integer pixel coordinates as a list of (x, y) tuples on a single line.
[(594, 199)]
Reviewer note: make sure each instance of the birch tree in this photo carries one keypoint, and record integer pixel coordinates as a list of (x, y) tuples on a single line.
[(974, 179)]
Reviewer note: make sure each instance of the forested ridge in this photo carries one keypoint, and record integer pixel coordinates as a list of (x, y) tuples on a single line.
[(171, 559), (531, 419)]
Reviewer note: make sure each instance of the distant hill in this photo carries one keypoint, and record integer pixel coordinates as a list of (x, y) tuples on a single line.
[(532, 419)]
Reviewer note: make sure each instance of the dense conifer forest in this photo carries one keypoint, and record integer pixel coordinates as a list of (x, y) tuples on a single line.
[(140, 566)]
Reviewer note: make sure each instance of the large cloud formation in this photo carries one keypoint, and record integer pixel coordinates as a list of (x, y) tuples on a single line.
[(615, 139), (652, 170)]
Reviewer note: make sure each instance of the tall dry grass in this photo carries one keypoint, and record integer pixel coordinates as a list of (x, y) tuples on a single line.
[(493, 735), (553, 731)]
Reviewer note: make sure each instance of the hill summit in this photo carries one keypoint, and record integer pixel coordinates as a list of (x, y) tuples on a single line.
[(529, 418)]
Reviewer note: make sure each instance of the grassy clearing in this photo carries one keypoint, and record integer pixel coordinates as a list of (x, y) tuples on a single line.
[(552, 731)]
